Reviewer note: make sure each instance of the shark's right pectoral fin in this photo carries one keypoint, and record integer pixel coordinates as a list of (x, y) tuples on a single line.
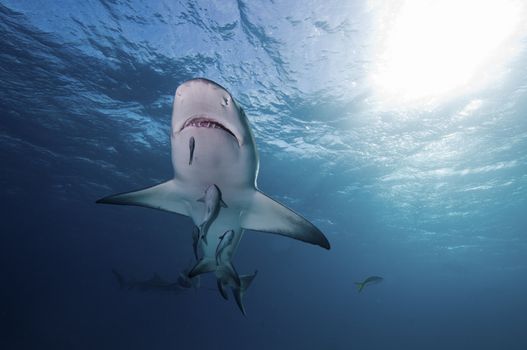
[(164, 196), (266, 214)]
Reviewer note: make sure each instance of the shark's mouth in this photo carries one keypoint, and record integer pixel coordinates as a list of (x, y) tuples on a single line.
[(205, 122)]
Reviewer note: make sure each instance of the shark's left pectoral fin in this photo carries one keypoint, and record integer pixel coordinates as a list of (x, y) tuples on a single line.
[(266, 214), (164, 196)]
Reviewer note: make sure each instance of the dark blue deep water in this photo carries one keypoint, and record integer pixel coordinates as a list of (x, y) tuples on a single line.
[(423, 182)]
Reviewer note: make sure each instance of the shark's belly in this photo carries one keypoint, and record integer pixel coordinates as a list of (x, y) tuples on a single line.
[(216, 159)]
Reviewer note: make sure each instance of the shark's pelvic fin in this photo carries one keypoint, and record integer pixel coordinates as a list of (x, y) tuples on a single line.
[(203, 266), (266, 214), (163, 196), (245, 282)]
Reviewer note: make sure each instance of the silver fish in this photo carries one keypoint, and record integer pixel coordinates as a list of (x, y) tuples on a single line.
[(195, 240), (368, 281), (213, 202), (191, 146), (225, 241)]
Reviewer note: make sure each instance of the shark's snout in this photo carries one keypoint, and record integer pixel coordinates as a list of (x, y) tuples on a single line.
[(201, 85)]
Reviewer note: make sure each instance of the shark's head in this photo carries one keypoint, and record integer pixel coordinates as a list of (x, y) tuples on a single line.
[(223, 141), (203, 103)]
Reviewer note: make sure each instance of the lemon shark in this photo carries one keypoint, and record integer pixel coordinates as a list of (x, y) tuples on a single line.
[(213, 148)]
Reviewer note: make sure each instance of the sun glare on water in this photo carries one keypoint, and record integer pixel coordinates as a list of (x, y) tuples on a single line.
[(428, 50)]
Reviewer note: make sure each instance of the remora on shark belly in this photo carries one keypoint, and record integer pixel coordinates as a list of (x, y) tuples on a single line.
[(225, 156)]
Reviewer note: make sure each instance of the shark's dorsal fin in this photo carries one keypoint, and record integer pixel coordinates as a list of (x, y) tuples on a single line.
[(163, 197), (266, 214)]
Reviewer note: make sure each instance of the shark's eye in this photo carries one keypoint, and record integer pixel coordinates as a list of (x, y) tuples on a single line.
[(225, 101)]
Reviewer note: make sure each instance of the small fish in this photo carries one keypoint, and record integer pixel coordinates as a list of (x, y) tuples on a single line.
[(191, 146), (245, 282), (368, 281), (225, 241), (195, 241), (204, 265), (213, 202), (224, 261), (185, 281)]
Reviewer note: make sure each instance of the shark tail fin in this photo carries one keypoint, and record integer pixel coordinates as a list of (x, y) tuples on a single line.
[(164, 196), (120, 279), (203, 266), (360, 286), (245, 282)]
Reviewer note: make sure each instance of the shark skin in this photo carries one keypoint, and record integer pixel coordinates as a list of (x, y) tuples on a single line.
[(224, 155)]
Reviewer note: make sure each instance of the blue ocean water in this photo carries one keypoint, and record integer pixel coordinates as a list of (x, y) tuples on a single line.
[(432, 196)]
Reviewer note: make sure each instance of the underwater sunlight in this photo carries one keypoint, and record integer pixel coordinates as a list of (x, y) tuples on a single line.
[(429, 51)]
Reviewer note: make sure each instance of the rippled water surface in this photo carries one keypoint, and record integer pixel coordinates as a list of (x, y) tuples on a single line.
[(411, 155)]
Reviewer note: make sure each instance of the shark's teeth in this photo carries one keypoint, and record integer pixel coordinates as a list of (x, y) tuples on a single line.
[(202, 122)]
